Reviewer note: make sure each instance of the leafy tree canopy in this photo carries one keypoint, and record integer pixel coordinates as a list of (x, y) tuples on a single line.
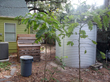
[(45, 5), (43, 23)]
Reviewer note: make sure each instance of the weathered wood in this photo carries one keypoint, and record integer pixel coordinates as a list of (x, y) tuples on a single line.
[(26, 41), (96, 66), (26, 35), (32, 54), (27, 38), (29, 51), (26, 46), (29, 45)]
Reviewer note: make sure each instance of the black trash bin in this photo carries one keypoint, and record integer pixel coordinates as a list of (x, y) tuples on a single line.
[(26, 65)]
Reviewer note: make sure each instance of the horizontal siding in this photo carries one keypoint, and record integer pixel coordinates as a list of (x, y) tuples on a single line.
[(1, 38), (19, 30), (12, 45), (12, 51), (1, 29)]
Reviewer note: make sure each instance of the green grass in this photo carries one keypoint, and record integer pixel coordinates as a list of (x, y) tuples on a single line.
[(5, 65)]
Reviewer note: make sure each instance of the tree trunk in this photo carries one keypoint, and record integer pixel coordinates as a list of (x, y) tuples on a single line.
[(79, 55), (45, 61)]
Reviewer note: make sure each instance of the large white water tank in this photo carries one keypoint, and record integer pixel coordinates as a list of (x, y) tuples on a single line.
[(72, 51)]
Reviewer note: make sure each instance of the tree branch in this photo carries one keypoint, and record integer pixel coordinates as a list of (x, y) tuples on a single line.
[(39, 9)]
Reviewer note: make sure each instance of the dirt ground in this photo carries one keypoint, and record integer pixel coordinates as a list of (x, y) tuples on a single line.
[(67, 75)]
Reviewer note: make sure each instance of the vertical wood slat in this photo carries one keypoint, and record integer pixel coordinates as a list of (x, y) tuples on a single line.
[(32, 50)]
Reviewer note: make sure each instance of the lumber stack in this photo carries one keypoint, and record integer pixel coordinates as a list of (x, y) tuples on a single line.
[(26, 46)]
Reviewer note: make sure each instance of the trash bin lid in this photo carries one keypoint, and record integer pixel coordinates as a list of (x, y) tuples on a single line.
[(26, 57)]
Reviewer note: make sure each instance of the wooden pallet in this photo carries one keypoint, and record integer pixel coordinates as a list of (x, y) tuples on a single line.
[(26, 46), (97, 66)]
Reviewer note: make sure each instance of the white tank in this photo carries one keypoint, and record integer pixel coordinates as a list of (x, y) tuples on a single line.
[(72, 51)]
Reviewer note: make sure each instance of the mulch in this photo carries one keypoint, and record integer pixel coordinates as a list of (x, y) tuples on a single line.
[(68, 74)]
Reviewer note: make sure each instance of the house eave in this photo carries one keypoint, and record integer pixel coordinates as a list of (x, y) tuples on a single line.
[(7, 17)]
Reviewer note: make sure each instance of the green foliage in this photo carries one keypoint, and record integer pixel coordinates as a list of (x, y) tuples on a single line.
[(85, 51), (84, 14), (103, 55), (5, 65), (70, 43), (105, 22), (71, 28), (94, 42), (46, 5), (90, 24), (87, 14), (43, 24), (46, 25), (61, 60), (97, 19), (83, 34), (42, 48), (76, 33)]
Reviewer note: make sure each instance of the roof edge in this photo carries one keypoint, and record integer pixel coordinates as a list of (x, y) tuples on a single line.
[(6, 17)]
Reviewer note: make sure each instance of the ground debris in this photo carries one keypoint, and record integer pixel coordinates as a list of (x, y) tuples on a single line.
[(68, 74), (97, 66)]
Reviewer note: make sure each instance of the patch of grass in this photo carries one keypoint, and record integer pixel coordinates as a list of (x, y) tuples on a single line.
[(5, 65)]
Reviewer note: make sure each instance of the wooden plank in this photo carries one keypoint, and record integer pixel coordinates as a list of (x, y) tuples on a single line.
[(29, 54), (20, 53), (26, 41), (29, 51), (96, 66), (26, 48), (34, 54), (29, 48), (26, 38), (22, 45), (26, 35), (25, 51)]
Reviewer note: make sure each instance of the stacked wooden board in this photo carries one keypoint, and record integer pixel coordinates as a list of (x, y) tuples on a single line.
[(96, 66), (26, 46)]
